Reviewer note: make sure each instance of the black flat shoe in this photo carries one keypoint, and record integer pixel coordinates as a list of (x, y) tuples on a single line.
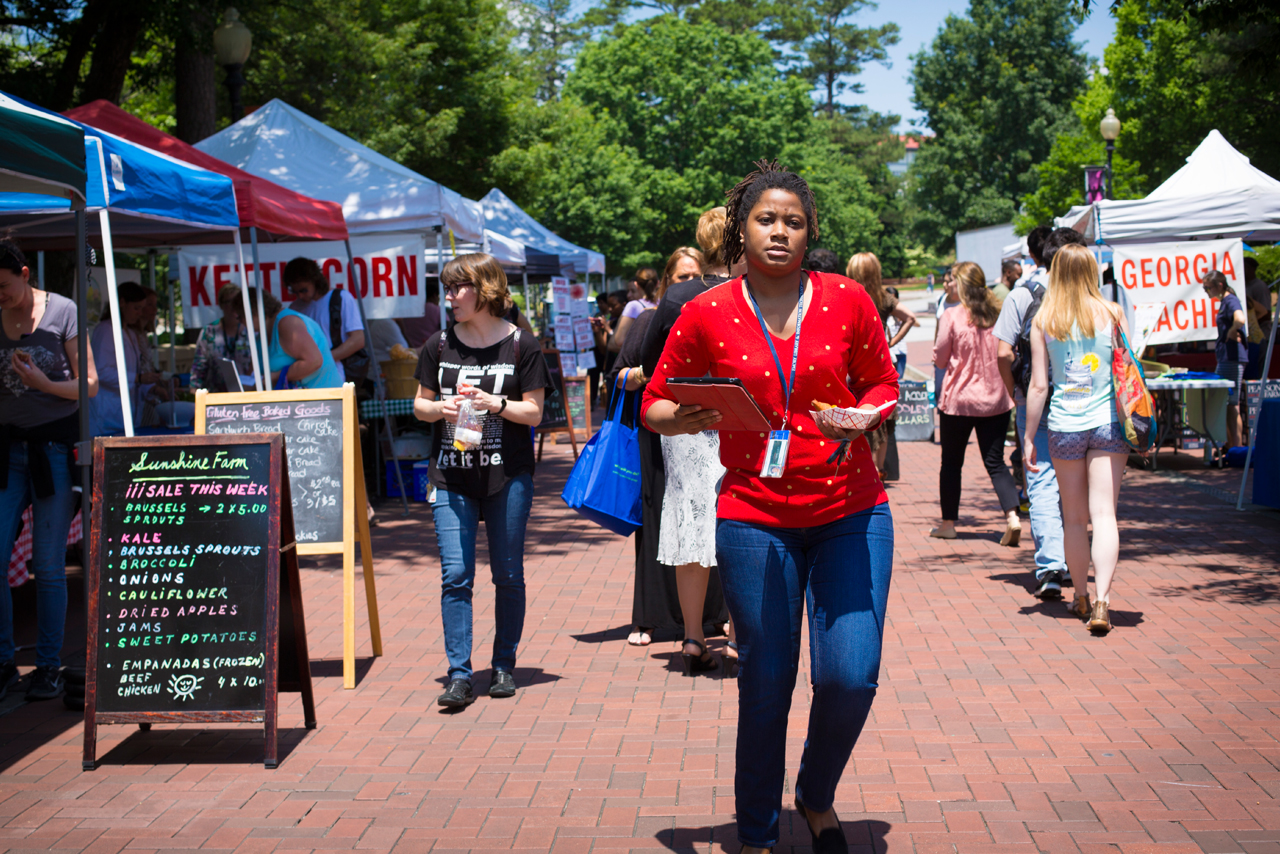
[(830, 841), (703, 662)]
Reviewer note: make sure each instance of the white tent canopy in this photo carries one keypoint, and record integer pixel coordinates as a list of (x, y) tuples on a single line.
[(1217, 194), (506, 218), (377, 194), (509, 253)]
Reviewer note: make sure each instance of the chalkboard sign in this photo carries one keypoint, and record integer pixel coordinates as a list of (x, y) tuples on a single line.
[(555, 417), (313, 431), (326, 474), (185, 584), (575, 392), (553, 413), (914, 414)]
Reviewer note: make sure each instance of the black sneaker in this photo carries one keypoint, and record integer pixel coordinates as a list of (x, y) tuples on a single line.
[(46, 683), (457, 694), (503, 684), (1050, 587), (8, 677)]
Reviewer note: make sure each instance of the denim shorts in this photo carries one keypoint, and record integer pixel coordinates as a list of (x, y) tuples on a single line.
[(1233, 371), (1074, 446)]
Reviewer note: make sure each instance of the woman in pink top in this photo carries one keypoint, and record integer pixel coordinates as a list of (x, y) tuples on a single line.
[(972, 397)]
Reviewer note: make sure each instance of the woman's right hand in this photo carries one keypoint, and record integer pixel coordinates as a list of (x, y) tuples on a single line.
[(694, 419), (1029, 454), (449, 409)]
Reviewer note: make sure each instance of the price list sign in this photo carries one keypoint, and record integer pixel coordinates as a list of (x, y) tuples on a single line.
[(186, 584)]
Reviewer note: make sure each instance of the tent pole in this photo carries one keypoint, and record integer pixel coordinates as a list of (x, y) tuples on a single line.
[(444, 315), (528, 306), (1262, 396), (258, 377), (262, 312), (40, 269), (113, 300), (379, 392), (84, 448), (173, 332)]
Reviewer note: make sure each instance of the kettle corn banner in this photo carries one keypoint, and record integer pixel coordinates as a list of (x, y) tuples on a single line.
[(389, 268)]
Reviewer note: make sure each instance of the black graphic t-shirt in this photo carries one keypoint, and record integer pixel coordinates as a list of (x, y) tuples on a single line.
[(506, 451)]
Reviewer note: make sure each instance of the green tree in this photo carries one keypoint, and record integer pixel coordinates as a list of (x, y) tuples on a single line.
[(996, 88), (1170, 81), (834, 49)]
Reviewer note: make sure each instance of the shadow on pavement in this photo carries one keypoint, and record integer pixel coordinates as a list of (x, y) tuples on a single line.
[(865, 836), (324, 668), (1231, 583), (187, 746)]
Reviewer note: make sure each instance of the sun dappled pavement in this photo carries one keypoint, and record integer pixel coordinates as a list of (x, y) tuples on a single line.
[(1001, 724)]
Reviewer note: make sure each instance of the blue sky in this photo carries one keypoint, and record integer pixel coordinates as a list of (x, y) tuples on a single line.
[(887, 89)]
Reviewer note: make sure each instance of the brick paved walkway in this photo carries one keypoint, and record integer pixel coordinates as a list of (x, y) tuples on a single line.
[(1001, 725)]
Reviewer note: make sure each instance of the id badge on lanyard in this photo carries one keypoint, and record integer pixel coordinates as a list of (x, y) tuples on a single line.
[(773, 463)]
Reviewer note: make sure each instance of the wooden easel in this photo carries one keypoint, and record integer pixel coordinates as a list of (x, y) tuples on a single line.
[(554, 423), (355, 519)]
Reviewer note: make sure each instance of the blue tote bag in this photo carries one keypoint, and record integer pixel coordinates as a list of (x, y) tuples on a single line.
[(604, 485)]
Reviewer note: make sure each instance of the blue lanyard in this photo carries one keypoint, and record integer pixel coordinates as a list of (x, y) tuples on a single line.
[(787, 387)]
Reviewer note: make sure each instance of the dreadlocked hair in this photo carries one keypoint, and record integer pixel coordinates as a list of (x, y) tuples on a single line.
[(768, 175)]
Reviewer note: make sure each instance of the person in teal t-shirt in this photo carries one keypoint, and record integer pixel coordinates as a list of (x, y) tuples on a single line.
[(299, 347), (1073, 333)]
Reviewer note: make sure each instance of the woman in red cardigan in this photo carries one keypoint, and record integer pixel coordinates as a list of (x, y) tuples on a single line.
[(819, 535)]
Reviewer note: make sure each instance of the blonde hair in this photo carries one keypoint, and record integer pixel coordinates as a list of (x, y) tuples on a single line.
[(1072, 298), (710, 236), (670, 269), (485, 274), (864, 268), (975, 296)]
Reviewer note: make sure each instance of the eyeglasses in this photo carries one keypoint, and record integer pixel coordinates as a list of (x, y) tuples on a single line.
[(454, 290)]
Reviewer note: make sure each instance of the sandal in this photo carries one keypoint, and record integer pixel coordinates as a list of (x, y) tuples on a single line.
[(639, 638), (703, 662)]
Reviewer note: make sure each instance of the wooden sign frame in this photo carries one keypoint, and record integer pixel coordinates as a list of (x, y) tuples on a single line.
[(355, 521), (285, 622), (543, 432)]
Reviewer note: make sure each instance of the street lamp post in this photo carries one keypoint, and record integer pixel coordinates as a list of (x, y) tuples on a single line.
[(232, 42), (1110, 129)]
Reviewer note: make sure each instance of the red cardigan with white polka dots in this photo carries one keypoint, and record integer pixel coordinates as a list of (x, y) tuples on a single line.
[(844, 360)]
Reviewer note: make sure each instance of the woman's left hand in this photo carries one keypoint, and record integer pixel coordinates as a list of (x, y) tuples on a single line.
[(31, 376), (480, 400)]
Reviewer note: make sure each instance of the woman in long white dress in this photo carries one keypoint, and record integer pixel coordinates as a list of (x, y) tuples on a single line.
[(687, 535)]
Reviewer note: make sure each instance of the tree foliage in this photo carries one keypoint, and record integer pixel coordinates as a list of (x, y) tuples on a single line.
[(1170, 81), (996, 87)]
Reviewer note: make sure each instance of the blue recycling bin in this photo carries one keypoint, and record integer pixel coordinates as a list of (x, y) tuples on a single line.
[(1266, 456)]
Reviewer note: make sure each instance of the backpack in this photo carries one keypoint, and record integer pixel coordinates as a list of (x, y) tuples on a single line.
[(1022, 347), (356, 366)]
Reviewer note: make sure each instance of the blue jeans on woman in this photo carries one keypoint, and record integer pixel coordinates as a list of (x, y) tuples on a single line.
[(457, 520), (840, 572), (50, 522)]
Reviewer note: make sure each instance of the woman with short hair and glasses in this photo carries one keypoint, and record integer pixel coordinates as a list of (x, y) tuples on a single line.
[(484, 359)]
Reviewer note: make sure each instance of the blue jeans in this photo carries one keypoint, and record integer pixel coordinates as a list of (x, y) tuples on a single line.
[(457, 519), (900, 362), (50, 522), (839, 571), (1046, 506)]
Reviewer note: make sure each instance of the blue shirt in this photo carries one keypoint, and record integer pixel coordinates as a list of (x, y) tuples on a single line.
[(1229, 351), (329, 375)]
